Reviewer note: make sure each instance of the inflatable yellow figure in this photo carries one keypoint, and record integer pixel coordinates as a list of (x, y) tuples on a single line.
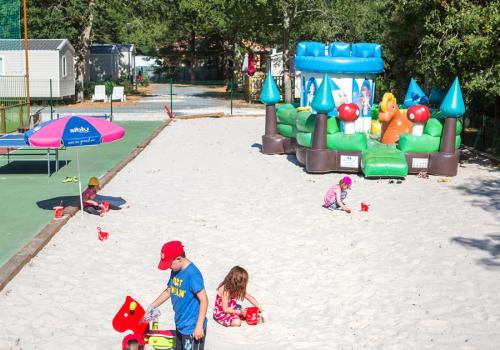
[(394, 122), (376, 128)]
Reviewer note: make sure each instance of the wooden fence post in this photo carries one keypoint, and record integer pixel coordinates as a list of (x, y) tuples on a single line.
[(4, 122), (21, 114)]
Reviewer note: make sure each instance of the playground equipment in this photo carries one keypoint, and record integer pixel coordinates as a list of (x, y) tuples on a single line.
[(130, 317), (351, 70), (394, 122), (321, 134), (272, 141)]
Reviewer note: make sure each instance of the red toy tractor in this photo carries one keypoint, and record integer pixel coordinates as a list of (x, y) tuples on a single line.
[(130, 317)]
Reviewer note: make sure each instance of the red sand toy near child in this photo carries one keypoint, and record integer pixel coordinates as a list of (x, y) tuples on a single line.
[(252, 316), (58, 212), (102, 235), (130, 316)]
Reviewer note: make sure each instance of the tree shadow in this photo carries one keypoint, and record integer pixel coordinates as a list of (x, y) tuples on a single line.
[(488, 192), (469, 157), (490, 244), (212, 94)]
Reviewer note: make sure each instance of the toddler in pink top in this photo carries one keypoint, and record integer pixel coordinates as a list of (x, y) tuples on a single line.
[(89, 199), (234, 287), (334, 198)]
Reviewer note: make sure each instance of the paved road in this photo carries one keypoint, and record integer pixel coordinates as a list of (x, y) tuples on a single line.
[(187, 99)]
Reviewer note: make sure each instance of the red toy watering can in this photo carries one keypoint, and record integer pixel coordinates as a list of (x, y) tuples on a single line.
[(102, 235), (364, 206)]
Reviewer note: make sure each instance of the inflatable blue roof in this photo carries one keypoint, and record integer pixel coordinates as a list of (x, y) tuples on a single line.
[(358, 58)]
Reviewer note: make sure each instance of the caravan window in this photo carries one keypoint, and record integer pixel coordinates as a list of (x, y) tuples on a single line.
[(64, 67)]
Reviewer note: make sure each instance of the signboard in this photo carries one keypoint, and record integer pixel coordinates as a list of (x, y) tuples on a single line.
[(349, 161), (420, 163)]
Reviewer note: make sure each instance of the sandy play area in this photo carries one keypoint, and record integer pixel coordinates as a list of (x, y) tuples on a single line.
[(420, 270)]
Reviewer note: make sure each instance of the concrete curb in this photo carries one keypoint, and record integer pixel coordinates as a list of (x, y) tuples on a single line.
[(12, 267), (216, 115)]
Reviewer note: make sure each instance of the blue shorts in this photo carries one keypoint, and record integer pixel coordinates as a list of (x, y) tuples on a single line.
[(187, 342)]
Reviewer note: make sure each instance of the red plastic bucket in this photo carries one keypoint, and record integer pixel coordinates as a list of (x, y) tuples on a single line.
[(364, 207), (252, 316), (58, 212), (105, 206)]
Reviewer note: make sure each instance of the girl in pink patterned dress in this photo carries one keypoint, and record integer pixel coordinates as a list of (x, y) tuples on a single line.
[(234, 287)]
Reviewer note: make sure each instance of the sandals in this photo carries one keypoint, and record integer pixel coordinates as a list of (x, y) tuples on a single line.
[(69, 179), (423, 175), (397, 181)]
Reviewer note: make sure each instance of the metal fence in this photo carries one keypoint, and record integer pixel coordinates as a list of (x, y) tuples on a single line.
[(13, 103), (45, 89), (251, 86), (482, 133)]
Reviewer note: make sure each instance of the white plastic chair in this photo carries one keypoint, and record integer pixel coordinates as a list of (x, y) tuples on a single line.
[(118, 94), (99, 94)]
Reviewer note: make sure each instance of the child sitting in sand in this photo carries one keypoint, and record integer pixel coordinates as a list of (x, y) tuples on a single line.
[(334, 198), (90, 205), (232, 289)]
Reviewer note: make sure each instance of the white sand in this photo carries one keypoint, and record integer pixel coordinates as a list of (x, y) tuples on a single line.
[(392, 278)]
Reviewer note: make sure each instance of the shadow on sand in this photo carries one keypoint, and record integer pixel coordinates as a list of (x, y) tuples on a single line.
[(65, 201), (74, 201), (490, 244)]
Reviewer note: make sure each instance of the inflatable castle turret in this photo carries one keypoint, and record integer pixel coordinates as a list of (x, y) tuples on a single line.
[(351, 68)]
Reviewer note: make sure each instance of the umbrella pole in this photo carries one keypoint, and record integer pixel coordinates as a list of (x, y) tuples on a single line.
[(79, 181)]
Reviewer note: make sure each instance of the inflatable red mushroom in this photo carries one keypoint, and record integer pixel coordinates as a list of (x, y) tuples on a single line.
[(348, 113), (419, 115)]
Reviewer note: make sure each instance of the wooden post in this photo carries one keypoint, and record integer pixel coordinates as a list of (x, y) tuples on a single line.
[(26, 57), (21, 114), (4, 122)]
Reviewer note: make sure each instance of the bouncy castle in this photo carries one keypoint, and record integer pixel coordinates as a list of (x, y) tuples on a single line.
[(337, 126), (351, 68)]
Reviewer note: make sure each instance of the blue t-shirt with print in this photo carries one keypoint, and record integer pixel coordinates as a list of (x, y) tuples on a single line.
[(184, 285)]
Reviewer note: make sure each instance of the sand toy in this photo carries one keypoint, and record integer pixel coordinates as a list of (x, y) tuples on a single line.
[(146, 330), (327, 134)]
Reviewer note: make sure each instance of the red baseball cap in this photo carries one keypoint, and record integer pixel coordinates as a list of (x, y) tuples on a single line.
[(169, 252), (130, 337)]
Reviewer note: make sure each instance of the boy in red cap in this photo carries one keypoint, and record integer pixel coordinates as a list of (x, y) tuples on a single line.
[(131, 342), (186, 289)]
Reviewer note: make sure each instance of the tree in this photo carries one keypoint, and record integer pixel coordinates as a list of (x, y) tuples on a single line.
[(461, 39), (59, 19)]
